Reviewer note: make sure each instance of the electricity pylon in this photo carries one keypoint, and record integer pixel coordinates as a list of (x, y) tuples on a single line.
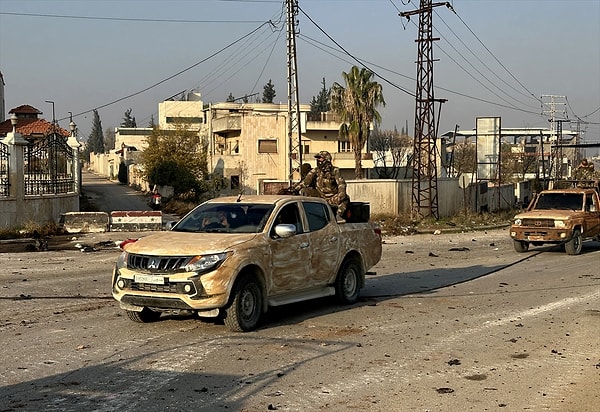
[(294, 143), (424, 176)]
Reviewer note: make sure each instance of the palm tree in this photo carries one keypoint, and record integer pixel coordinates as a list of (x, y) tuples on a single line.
[(356, 105)]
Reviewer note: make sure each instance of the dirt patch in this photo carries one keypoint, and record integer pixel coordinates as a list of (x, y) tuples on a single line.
[(88, 242)]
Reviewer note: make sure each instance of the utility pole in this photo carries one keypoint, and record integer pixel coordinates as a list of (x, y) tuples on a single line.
[(294, 144), (424, 176), (555, 107)]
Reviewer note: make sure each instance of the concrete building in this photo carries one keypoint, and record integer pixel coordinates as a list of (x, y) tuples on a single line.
[(248, 142)]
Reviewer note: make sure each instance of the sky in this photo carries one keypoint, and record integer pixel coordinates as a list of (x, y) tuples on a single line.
[(507, 58)]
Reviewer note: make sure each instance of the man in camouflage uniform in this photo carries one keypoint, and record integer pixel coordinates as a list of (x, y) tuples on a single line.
[(327, 182), (585, 174)]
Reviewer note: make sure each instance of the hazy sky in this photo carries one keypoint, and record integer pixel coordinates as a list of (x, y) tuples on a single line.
[(495, 57)]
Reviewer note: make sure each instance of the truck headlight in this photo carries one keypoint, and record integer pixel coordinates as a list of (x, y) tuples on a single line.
[(518, 222), (202, 263), (122, 260), (560, 223)]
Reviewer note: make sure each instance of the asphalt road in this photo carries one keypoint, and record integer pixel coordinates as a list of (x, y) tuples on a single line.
[(451, 322), (108, 196)]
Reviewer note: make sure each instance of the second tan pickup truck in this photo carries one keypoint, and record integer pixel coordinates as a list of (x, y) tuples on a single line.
[(558, 216)]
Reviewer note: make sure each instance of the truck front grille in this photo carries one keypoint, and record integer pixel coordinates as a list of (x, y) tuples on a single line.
[(147, 287), (538, 223), (160, 263)]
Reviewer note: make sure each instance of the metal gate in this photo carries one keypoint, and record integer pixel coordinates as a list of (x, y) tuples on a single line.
[(4, 163), (49, 167)]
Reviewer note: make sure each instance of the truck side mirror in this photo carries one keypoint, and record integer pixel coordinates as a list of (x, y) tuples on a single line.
[(285, 230)]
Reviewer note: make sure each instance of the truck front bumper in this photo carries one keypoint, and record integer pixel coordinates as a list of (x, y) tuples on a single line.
[(164, 292), (541, 235)]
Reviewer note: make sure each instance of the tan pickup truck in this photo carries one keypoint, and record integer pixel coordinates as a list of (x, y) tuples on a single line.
[(235, 257), (558, 216)]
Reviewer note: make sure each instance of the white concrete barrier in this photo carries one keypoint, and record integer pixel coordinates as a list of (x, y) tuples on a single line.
[(134, 221), (84, 222)]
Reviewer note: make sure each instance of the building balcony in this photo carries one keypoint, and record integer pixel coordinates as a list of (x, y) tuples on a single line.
[(228, 123)]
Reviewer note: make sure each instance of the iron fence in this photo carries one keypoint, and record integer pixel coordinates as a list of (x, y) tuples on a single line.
[(48, 166), (4, 181)]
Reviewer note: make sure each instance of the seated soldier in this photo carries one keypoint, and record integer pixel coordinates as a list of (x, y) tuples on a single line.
[(327, 182)]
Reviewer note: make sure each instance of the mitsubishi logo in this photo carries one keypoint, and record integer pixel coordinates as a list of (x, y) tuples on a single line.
[(153, 263)]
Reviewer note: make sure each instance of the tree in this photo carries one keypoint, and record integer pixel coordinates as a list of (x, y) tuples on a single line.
[(515, 163), (152, 122), (176, 158), (128, 119), (230, 98), (109, 138), (268, 92), (464, 159), (391, 151), (95, 142), (356, 104), (320, 103)]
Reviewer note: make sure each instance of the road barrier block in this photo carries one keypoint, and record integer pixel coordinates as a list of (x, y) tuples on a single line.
[(135, 221), (84, 222)]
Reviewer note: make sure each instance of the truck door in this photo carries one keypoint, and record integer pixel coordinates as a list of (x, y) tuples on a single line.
[(325, 242), (592, 207), (290, 257)]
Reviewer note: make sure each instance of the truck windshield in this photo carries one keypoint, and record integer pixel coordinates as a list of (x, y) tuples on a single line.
[(566, 201), (225, 218)]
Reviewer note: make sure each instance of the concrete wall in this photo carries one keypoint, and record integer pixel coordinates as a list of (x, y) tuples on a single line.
[(44, 209), (394, 197)]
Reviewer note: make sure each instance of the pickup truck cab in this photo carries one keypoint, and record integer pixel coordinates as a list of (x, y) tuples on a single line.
[(558, 216), (235, 257)]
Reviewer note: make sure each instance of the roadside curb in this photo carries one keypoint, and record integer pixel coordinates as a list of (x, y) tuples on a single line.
[(434, 231)]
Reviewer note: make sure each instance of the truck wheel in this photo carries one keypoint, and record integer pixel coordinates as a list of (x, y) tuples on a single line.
[(243, 314), (348, 282), (521, 246), (573, 246), (144, 316)]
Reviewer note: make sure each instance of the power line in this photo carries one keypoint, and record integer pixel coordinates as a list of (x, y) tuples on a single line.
[(172, 76), (480, 60), (128, 19), (367, 63), (497, 60), (352, 56)]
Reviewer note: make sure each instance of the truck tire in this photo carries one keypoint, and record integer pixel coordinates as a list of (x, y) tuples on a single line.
[(348, 282), (243, 313), (144, 316), (573, 246), (521, 246)]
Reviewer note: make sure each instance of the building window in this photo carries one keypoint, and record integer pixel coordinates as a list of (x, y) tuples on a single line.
[(235, 182), (184, 120), (267, 146), (305, 148), (344, 146), (234, 147)]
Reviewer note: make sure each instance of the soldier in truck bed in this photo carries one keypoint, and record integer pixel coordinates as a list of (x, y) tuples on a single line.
[(327, 182), (585, 173)]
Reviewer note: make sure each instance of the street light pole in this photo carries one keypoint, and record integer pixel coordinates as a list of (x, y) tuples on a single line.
[(53, 115)]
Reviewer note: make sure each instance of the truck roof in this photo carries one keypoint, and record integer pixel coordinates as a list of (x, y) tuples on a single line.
[(570, 190), (261, 199)]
